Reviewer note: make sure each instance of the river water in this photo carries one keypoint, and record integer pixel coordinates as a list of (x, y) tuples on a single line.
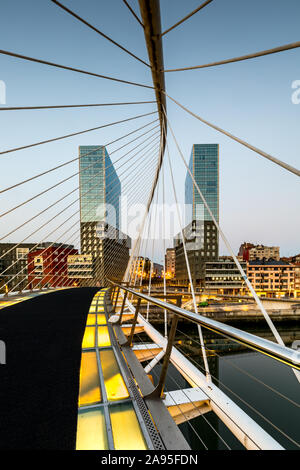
[(250, 379)]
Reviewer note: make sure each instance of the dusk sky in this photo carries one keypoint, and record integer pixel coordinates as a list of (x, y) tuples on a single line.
[(259, 201)]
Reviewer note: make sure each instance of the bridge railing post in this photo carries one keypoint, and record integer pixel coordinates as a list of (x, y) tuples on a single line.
[(122, 308), (117, 297), (158, 391), (128, 342)]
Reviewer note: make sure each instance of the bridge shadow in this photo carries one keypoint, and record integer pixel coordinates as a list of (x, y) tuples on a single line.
[(39, 383)]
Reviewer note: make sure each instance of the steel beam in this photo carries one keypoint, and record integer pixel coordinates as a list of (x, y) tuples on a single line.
[(150, 11)]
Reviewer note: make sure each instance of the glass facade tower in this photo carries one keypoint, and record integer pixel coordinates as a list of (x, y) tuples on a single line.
[(200, 232), (101, 238), (204, 165), (100, 187)]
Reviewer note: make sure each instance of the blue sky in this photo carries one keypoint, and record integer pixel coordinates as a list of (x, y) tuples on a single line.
[(259, 201)]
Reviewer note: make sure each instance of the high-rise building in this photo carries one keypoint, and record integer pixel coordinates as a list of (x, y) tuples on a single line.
[(100, 187), (201, 235), (204, 166), (100, 191)]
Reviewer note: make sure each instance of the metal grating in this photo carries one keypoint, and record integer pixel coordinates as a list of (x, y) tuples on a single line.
[(154, 435)]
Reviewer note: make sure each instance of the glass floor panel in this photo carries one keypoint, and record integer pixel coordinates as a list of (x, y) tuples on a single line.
[(89, 337), (127, 433), (91, 319), (114, 383), (101, 319), (89, 388), (91, 430), (103, 337)]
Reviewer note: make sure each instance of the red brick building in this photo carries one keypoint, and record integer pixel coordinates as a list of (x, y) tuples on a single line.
[(48, 267)]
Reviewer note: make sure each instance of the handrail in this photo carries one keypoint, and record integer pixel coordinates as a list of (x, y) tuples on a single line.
[(280, 353)]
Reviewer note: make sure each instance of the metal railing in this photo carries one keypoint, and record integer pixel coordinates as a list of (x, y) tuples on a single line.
[(280, 353)]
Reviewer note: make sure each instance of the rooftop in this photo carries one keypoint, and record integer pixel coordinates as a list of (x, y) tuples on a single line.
[(268, 262)]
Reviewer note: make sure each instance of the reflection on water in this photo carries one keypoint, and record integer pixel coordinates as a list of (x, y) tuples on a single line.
[(249, 379)]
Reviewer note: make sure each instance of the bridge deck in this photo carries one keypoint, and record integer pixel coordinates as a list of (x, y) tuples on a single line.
[(66, 384), (40, 380)]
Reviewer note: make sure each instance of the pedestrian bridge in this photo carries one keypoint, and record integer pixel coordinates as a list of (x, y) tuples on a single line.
[(119, 403)]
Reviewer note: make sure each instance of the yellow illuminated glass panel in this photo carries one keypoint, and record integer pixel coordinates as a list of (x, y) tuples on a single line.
[(103, 337), (92, 309), (89, 389), (89, 337), (101, 319), (91, 319), (91, 431), (114, 384), (126, 430)]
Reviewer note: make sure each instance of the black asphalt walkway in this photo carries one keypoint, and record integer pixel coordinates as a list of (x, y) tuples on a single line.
[(39, 383)]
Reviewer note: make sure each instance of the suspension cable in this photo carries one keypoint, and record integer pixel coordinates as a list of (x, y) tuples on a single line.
[(75, 213), (258, 301), (208, 376), (68, 240), (134, 14), (78, 172), (15, 246), (112, 249), (98, 31), (187, 17), (75, 159), (140, 194), (247, 404), (75, 133), (152, 254), (274, 50), (72, 69), (231, 364), (188, 400), (23, 108), (240, 141)]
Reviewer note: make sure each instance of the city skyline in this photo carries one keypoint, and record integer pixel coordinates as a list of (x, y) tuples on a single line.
[(149, 253), (251, 206)]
